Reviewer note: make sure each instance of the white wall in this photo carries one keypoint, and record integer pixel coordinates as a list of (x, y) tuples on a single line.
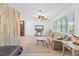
[(30, 26), (73, 8)]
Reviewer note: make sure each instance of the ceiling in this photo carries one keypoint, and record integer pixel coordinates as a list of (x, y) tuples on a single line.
[(28, 9)]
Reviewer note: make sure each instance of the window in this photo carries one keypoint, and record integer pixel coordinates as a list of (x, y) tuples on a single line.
[(59, 26), (70, 23), (55, 26), (64, 24)]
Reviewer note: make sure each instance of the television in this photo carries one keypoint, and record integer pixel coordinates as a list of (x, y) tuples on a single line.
[(39, 26)]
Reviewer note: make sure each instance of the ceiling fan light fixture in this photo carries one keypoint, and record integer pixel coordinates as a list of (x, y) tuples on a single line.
[(40, 15)]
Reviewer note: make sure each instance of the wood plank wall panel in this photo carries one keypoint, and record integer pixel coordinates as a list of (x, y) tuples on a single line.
[(9, 25)]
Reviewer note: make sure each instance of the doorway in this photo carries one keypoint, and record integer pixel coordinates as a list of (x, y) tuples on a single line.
[(22, 33)]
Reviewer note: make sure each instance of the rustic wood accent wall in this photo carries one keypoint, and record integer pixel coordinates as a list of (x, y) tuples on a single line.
[(9, 25)]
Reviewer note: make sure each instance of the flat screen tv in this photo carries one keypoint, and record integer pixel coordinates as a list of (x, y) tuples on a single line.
[(39, 26)]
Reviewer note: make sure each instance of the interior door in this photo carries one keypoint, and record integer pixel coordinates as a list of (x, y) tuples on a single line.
[(22, 28)]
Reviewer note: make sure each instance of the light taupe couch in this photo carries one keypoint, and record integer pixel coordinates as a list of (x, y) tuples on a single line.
[(56, 40)]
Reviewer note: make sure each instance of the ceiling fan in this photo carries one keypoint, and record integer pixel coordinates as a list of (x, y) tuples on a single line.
[(40, 15)]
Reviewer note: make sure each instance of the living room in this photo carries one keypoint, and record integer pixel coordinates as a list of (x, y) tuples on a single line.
[(67, 18), (48, 29)]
